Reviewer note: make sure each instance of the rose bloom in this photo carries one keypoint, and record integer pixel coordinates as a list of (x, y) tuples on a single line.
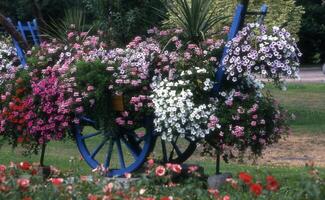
[(25, 165), (23, 183), (151, 162), (226, 197), (176, 168), (256, 189), (272, 183), (56, 181), (245, 177), (160, 171), (3, 168)]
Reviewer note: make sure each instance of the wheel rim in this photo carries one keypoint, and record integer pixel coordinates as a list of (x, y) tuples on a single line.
[(120, 152), (177, 151)]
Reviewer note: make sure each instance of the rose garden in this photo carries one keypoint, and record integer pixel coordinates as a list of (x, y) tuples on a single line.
[(158, 100)]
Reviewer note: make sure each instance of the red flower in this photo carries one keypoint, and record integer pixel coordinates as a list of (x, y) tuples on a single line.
[(27, 198), (23, 183), (57, 181), (20, 139), (271, 183), (92, 197), (3, 168), (214, 192), (256, 189), (167, 198), (25, 165), (246, 178), (160, 171), (176, 168)]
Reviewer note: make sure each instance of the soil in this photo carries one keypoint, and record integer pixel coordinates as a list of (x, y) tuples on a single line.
[(296, 150)]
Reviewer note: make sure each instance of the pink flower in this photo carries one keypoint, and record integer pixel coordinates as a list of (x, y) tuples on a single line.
[(128, 175), (90, 88), (192, 168), (23, 183), (176, 168), (70, 35), (239, 131), (3, 168), (226, 197), (151, 162), (191, 46), (160, 171), (253, 123)]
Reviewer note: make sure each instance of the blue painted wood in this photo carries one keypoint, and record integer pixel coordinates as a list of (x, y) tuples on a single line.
[(32, 29), (20, 28), (36, 31), (32, 33), (232, 33), (20, 53), (264, 9)]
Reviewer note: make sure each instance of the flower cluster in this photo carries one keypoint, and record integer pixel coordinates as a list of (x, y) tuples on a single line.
[(248, 120), (255, 49), (177, 113), (181, 88), (256, 189), (8, 55), (40, 102)]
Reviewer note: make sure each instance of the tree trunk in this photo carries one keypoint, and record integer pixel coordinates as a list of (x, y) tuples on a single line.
[(11, 29)]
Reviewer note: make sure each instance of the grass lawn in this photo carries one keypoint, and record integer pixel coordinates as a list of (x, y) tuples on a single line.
[(306, 101)]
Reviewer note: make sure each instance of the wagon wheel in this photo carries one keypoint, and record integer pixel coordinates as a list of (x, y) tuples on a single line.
[(122, 151), (177, 151)]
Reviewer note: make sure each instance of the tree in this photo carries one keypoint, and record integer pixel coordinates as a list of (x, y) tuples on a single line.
[(312, 32), (284, 13)]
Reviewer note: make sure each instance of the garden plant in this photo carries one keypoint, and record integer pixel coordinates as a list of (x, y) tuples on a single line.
[(160, 85)]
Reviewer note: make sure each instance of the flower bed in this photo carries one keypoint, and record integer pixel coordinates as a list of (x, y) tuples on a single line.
[(160, 182)]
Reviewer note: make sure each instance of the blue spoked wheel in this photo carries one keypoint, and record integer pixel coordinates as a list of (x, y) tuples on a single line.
[(120, 151), (176, 151)]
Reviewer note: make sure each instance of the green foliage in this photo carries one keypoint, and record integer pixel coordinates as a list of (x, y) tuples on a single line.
[(196, 17), (95, 74), (74, 18), (283, 13), (123, 19), (312, 32)]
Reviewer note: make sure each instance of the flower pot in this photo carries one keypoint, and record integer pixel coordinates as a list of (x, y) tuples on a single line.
[(117, 103)]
